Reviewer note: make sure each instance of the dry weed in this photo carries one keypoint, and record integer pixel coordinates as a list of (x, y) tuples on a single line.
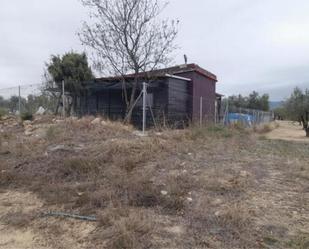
[(126, 229), (17, 219)]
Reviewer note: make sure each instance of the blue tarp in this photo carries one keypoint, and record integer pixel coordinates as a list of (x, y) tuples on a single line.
[(245, 119)]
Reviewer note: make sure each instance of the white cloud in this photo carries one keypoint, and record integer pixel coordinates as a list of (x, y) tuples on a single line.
[(261, 45)]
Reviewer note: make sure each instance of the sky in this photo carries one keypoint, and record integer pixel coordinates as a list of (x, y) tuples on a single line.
[(258, 45)]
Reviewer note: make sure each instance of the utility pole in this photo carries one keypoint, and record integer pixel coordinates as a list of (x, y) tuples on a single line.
[(144, 106), (63, 100), (19, 101)]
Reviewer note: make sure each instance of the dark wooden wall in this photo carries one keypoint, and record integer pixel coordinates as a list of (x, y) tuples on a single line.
[(175, 101), (201, 86)]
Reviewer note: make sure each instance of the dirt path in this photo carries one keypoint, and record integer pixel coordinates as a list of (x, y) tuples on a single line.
[(18, 231), (288, 131)]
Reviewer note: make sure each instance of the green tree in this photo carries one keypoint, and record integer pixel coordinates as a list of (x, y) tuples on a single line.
[(73, 69), (297, 108), (253, 101)]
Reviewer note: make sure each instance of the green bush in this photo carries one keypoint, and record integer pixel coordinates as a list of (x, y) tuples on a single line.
[(26, 116), (3, 112)]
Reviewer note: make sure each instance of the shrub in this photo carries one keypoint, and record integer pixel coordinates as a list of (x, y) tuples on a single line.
[(261, 129), (202, 132), (26, 116), (3, 112), (52, 133), (77, 167), (131, 232)]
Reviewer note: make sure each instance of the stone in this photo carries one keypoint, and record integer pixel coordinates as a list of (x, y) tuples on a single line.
[(56, 148), (96, 121), (189, 199), (40, 111), (139, 134), (27, 122), (163, 192), (29, 127), (28, 133), (217, 202), (244, 173)]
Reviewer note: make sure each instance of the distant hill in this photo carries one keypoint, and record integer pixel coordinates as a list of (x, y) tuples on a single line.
[(275, 104)]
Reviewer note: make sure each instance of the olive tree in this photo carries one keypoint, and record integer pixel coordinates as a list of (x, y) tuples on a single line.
[(73, 69), (128, 37)]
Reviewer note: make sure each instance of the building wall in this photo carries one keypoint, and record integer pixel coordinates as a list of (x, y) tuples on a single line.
[(202, 86), (174, 101), (179, 98)]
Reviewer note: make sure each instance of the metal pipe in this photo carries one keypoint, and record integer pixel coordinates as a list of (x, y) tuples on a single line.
[(144, 106)]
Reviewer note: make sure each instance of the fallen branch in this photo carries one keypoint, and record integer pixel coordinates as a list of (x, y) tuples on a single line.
[(72, 216)]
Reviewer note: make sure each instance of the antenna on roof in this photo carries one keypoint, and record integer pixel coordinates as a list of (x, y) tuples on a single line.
[(186, 59)]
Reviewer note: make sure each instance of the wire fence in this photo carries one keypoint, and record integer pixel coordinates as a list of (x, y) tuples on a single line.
[(172, 107), (247, 117), (27, 98)]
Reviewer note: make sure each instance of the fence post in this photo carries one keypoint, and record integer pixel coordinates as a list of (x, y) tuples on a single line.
[(201, 111), (63, 100), (216, 111), (19, 101), (144, 106), (226, 112)]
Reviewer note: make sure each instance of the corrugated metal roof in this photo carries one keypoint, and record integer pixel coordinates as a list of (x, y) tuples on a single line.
[(162, 73)]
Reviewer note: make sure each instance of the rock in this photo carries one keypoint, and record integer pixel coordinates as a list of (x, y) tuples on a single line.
[(56, 148), (244, 173), (5, 145), (189, 199), (40, 111), (29, 127), (163, 192), (28, 133), (139, 134), (27, 122), (96, 121), (217, 202)]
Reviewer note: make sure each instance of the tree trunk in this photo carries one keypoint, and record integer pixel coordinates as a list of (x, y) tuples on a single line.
[(305, 122), (58, 104), (130, 107)]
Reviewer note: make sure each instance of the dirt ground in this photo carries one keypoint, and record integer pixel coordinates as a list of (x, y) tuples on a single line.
[(288, 131), (201, 188)]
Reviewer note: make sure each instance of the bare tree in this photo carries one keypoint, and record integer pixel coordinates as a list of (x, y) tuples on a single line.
[(128, 36)]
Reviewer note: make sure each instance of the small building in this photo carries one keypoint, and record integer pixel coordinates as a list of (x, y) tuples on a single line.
[(175, 96)]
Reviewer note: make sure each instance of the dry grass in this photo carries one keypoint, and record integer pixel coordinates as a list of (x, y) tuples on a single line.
[(213, 182), (265, 128), (17, 219), (125, 229)]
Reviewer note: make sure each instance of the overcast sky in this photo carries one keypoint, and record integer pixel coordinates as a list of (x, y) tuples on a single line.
[(258, 45)]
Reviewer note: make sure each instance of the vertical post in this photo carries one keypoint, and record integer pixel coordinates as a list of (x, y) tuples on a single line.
[(63, 100), (144, 106), (216, 111), (19, 101), (226, 112), (201, 111)]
